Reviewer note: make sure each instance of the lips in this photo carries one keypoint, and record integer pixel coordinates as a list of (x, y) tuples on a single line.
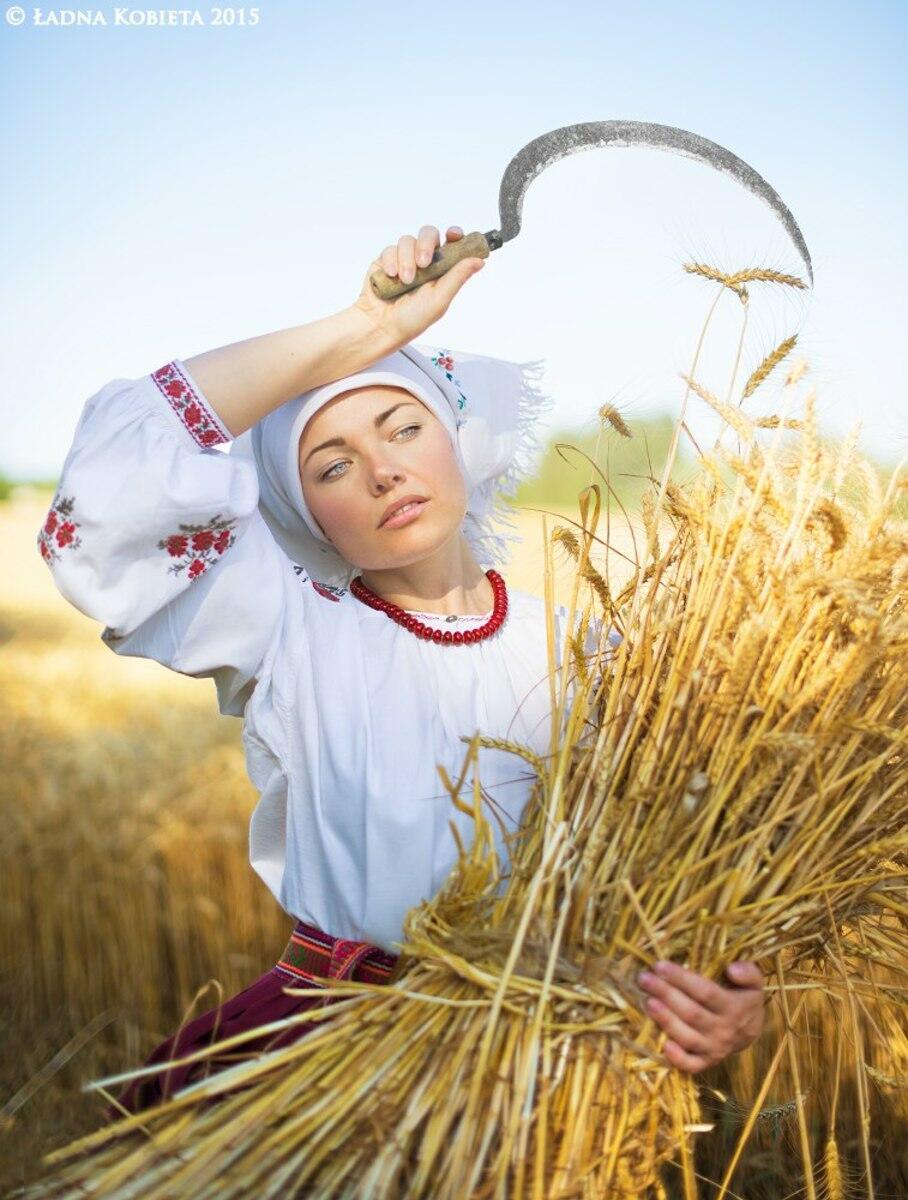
[(397, 505)]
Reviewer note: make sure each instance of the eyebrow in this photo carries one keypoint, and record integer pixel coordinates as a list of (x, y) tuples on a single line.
[(379, 420)]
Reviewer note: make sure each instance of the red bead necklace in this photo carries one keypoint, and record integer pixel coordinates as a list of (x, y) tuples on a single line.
[(421, 629)]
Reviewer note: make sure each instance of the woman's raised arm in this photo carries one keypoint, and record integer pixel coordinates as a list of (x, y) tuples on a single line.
[(157, 535), (245, 381)]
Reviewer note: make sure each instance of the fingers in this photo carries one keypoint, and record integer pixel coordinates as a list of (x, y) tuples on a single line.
[(684, 1060), (426, 242), (689, 1024), (412, 252), (705, 1020), (406, 258), (745, 974), (664, 995), (687, 1036), (706, 993)]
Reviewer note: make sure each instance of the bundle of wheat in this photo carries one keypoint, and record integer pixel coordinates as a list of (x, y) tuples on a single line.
[(732, 783)]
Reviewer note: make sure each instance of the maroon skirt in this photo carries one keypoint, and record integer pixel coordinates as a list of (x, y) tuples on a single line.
[(310, 958)]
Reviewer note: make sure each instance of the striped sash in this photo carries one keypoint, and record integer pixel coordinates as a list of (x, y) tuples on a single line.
[(312, 955)]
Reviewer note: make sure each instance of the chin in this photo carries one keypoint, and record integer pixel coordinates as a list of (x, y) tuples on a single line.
[(410, 544)]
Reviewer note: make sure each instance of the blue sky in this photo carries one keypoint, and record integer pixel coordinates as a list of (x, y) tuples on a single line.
[(169, 190)]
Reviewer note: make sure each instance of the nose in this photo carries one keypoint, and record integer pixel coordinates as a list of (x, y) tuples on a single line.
[(385, 475)]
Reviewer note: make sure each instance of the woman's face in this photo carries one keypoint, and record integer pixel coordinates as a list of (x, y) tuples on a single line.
[(385, 444)]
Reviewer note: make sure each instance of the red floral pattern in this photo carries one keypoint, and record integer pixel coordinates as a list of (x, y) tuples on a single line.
[(59, 530), (198, 546), (330, 591), (324, 590), (189, 406), (445, 363)]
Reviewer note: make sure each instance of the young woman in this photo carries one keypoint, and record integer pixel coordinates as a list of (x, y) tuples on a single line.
[(328, 573)]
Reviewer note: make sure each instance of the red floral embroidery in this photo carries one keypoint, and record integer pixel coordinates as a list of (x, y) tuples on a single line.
[(192, 410), (445, 363), (324, 590), (331, 591), (198, 546), (58, 531)]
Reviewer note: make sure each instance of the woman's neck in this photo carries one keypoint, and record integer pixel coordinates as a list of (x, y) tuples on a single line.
[(448, 582)]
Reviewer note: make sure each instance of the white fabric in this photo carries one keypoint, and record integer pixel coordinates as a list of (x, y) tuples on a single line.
[(346, 714)]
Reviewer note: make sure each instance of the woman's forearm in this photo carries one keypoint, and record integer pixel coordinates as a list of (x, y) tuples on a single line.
[(246, 380)]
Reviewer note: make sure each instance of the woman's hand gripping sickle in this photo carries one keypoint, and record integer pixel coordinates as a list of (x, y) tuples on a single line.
[(705, 1021), (401, 320)]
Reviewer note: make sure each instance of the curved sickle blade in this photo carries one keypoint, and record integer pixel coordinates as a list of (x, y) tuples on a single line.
[(541, 152)]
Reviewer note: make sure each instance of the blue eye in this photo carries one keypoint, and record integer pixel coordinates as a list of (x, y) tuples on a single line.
[(329, 473)]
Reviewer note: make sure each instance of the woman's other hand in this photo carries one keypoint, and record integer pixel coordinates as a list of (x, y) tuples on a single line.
[(705, 1021), (401, 320)]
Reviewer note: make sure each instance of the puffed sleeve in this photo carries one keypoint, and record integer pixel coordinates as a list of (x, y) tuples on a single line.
[(157, 534)]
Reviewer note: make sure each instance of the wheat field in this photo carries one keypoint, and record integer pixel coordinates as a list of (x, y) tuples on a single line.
[(130, 903)]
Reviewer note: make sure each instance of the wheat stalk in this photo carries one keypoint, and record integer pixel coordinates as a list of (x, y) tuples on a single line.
[(744, 796)]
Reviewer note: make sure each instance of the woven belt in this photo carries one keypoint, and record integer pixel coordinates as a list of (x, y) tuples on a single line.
[(314, 956)]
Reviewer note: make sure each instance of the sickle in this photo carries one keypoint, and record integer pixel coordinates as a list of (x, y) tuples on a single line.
[(541, 152)]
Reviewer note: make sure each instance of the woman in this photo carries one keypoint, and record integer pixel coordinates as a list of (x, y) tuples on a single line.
[(325, 573)]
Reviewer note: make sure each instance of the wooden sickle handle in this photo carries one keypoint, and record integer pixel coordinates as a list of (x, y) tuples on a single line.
[(471, 245)]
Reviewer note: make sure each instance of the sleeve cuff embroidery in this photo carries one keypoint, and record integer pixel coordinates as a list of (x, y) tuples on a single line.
[(202, 423)]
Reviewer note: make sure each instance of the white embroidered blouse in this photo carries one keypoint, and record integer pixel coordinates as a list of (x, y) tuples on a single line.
[(157, 534)]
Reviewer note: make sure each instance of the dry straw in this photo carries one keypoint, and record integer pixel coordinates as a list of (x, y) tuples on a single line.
[(728, 781)]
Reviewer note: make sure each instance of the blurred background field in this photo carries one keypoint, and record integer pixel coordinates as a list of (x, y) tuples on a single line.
[(129, 900)]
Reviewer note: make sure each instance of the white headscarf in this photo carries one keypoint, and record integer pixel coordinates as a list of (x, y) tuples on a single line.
[(490, 408)]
